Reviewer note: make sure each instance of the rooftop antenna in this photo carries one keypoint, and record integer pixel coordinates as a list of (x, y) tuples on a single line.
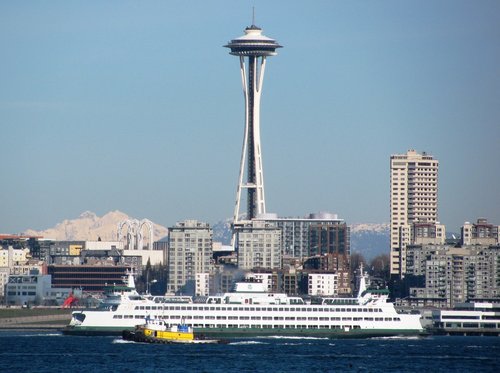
[(253, 16)]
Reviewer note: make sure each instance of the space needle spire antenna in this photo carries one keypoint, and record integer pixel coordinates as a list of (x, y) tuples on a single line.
[(252, 49)]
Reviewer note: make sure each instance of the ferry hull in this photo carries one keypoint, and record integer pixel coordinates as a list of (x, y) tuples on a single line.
[(229, 333)]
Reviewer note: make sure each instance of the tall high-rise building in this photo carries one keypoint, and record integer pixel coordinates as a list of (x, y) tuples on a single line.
[(189, 253), (253, 47), (259, 245), (296, 232), (414, 198)]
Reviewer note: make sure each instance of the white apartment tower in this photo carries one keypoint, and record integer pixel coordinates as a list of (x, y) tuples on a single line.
[(414, 198), (189, 253)]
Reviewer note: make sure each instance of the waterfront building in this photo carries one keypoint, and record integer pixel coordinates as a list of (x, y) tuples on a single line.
[(413, 198), (189, 253), (323, 284), (253, 48), (33, 289), (203, 284), (258, 245), (331, 263), (480, 233)]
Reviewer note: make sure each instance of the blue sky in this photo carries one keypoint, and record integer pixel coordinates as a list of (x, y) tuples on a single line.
[(136, 106)]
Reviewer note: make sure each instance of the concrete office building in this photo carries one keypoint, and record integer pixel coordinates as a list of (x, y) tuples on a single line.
[(413, 198), (258, 245), (189, 253)]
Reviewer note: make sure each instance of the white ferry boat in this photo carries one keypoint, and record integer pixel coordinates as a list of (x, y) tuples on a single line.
[(475, 318), (250, 311)]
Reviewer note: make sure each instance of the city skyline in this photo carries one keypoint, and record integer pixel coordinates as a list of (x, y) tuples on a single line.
[(137, 108)]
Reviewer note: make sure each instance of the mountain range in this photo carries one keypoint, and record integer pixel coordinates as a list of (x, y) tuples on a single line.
[(367, 239), (90, 227)]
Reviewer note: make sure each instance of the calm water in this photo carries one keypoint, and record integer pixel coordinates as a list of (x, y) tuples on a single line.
[(53, 352)]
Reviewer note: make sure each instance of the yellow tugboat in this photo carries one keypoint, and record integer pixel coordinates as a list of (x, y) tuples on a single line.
[(157, 331)]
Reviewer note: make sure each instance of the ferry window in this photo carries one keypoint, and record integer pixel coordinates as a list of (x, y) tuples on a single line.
[(336, 318), (171, 308), (309, 309), (244, 318), (269, 309), (189, 308), (217, 308), (280, 309), (323, 319), (252, 308), (342, 309), (255, 317), (379, 319), (247, 309), (183, 308), (337, 309), (397, 319), (177, 308), (139, 316), (312, 318), (278, 318), (289, 318), (148, 307), (368, 318), (221, 317), (136, 308), (346, 318), (370, 310), (291, 309), (314, 309), (223, 308), (206, 308), (388, 319), (348, 309)]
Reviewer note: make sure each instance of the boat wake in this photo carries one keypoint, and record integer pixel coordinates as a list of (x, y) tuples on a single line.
[(399, 337), (120, 341), (40, 335), (247, 343), (294, 337)]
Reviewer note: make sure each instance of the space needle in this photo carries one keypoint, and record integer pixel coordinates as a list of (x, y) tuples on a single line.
[(252, 49)]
